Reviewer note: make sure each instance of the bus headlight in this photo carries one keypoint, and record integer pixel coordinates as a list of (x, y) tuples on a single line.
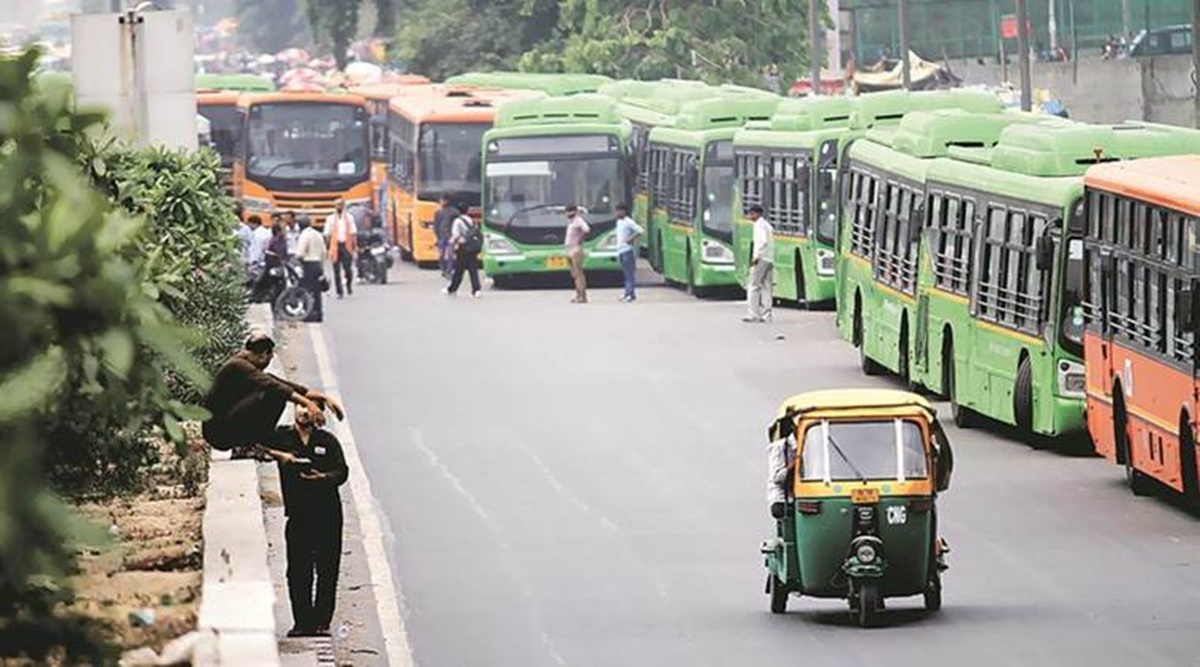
[(825, 263), (351, 203), (257, 204), (498, 245), (608, 243), (1072, 379), (712, 252)]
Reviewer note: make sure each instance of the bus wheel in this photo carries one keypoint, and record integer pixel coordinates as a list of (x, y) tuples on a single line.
[(801, 292), (1187, 460), (1023, 397), (867, 364), (962, 415), (1139, 482)]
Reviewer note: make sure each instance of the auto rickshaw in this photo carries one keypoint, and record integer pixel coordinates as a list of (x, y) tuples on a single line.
[(859, 521)]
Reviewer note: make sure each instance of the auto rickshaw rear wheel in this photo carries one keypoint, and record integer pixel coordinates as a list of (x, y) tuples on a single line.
[(933, 593), (868, 604), (779, 595)]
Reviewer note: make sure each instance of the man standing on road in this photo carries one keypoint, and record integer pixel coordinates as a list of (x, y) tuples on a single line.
[(628, 231), (466, 242), (246, 402), (310, 249), (342, 233), (759, 296), (577, 231), (260, 238), (311, 468), (443, 225), (290, 230)]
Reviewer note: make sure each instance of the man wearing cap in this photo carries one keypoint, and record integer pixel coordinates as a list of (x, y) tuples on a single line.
[(246, 402)]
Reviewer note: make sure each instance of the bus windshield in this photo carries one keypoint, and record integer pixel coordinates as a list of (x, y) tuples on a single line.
[(718, 200), (223, 127), (863, 450), (449, 161), (308, 141), (533, 194)]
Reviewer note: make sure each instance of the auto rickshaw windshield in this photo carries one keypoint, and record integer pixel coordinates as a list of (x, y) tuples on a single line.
[(863, 450)]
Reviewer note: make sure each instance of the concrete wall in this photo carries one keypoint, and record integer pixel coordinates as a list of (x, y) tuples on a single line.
[(1106, 91)]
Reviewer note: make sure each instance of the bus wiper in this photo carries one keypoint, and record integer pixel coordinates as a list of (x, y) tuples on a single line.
[(508, 223), (854, 468), (271, 171)]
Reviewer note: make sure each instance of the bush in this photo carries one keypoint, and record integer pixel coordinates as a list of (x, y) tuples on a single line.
[(187, 245), (87, 347)]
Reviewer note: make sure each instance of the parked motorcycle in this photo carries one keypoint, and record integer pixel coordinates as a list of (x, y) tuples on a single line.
[(279, 285), (375, 257)]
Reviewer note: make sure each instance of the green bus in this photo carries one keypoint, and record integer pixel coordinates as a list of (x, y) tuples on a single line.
[(999, 328), (551, 84), (883, 204), (239, 83), (540, 156), (776, 169), (789, 167), (690, 172)]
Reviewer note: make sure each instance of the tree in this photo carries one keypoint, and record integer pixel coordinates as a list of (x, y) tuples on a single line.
[(385, 18), (448, 37), (717, 40), (269, 26), (335, 23)]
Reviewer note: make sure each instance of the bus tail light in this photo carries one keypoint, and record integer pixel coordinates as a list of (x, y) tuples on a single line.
[(1072, 379)]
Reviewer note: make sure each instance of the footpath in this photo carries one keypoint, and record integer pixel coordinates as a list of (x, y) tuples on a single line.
[(244, 600)]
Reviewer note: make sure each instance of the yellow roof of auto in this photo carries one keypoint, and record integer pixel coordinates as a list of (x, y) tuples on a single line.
[(856, 400)]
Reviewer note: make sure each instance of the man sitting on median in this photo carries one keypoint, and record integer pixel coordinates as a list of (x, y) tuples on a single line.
[(246, 402)]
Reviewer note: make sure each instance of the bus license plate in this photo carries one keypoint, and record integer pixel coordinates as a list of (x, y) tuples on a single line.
[(865, 496), (556, 262)]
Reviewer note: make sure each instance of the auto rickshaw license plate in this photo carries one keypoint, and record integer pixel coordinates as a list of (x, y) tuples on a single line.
[(866, 496), (556, 262)]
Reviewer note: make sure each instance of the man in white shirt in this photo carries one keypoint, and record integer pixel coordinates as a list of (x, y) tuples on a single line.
[(260, 237), (310, 249), (759, 289), (342, 234), (627, 233)]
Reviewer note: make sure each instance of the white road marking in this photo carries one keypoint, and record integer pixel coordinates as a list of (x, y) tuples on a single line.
[(387, 596)]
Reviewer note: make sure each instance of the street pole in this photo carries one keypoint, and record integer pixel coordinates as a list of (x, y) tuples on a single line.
[(902, 17), (1052, 25), (1023, 53), (1125, 20), (814, 47), (1195, 63)]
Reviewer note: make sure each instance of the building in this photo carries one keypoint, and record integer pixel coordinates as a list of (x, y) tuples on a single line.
[(940, 29)]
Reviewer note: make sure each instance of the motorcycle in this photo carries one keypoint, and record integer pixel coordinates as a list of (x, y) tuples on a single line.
[(375, 257), (278, 284)]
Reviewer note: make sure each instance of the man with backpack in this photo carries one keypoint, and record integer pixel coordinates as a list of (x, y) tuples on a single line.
[(466, 240)]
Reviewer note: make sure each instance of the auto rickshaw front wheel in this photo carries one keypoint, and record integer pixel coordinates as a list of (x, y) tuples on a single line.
[(868, 605), (779, 595)]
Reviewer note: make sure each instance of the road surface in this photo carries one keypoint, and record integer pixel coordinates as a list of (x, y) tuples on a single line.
[(584, 485)]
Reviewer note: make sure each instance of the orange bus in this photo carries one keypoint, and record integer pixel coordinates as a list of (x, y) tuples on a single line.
[(301, 152), (220, 108), (1137, 286), (378, 95), (435, 136)]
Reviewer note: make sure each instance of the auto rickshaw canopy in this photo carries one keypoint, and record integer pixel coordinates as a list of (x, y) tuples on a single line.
[(856, 402)]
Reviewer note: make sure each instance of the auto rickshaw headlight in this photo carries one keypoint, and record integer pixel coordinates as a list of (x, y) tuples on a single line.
[(866, 554)]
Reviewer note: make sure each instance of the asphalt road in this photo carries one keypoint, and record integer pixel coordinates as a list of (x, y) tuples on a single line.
[(584, 485)]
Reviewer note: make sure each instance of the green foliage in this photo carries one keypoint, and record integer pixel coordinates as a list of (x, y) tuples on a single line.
[(187, 250), (717, 41), (385, 18), (82, 331), (441, 38), (270, 26)]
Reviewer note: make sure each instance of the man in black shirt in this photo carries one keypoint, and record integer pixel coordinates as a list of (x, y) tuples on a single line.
[(443, 220), (311, 468), (246, 402)]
